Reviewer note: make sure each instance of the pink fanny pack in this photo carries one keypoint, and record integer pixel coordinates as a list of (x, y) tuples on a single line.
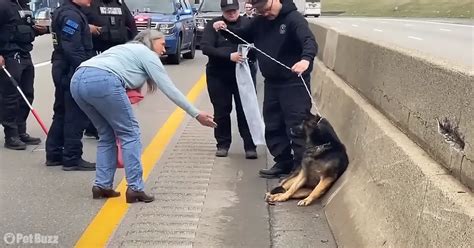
[(134, 95)]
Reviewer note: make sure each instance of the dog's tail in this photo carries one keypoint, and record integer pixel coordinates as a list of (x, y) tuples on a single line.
[(278, 190)]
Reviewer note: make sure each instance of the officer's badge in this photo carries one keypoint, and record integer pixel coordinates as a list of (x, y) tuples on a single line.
[(110, 11), (27, 16)]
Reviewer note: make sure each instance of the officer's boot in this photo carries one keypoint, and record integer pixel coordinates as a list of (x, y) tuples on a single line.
[(278, 170), (251, 154), (222, 152), (27, 139), (14, 143)]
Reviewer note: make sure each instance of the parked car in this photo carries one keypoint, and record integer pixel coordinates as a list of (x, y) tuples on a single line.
[(208, 10), (313, 8), (309, 7), (174, 18), (43, 17)]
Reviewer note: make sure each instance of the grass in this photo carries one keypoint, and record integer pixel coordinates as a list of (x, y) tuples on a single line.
[(401, 8)]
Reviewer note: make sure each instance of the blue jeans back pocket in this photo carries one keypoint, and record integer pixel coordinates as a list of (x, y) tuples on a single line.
[(102, 85)]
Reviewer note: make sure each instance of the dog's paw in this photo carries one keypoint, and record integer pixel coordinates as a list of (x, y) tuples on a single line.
[(305, 202), (267, 196), (279, 198), (270, 197)]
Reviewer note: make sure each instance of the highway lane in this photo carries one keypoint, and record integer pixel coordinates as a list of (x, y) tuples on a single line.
[(449, 42)]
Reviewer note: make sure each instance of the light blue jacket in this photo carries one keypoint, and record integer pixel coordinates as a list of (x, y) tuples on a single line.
[(134, 63)]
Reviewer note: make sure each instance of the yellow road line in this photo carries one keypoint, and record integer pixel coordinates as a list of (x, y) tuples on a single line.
[(110, 215)]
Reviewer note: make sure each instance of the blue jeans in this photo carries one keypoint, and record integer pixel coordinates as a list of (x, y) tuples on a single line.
[(101, 95)]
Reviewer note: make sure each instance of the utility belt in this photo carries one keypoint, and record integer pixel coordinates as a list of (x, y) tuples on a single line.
[(18, 56)]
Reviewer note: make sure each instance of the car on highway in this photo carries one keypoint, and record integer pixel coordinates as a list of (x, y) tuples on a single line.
[(208, 10), (309, 7), (312, 8), (42, 17), (174, 18)]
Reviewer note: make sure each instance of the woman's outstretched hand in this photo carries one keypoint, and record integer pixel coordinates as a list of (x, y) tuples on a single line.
[(206, 120)]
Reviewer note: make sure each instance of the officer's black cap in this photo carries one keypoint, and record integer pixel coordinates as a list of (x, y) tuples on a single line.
[(229, 5)]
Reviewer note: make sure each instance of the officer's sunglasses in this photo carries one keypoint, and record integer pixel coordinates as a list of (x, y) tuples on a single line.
[(262, 10)]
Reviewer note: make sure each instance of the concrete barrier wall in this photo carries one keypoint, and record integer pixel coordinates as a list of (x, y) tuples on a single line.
[(411, 89), (393, 193)]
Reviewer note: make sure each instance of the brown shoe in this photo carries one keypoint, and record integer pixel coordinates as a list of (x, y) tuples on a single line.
[(98, 193), (138, 196)]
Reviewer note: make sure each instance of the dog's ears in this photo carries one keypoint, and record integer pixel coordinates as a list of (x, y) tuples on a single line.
[(318, 118)]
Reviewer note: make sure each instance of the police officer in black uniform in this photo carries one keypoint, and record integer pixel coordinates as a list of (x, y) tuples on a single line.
[(17, 33), (72, 45), (221, 80), (283, 33), (111, 24)]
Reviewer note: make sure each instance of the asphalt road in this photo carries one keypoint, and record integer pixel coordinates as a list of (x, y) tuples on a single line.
[(451, 42), (42, 49)]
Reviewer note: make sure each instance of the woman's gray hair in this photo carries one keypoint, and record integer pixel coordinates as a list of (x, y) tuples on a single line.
[(147, 36)]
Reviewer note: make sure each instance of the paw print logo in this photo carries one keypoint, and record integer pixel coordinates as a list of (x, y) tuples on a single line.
[(282, 29)]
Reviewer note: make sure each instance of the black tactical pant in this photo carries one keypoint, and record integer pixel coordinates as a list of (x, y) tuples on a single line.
[(64, 142), (222, 86), (13, 109), (285, 105)]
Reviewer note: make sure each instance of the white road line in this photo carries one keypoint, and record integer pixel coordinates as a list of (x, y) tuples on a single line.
[(415, 38), (42, 64), (427, 22), (354, 25), (446, 30), (378, 30)]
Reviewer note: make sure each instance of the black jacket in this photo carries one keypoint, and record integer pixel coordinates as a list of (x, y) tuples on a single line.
[(72, 38), (15, 34), (103, 42), (218, 48), (287, 38)]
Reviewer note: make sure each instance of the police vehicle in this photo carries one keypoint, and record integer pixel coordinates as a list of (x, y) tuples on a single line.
[(174, 18), (208, 10)]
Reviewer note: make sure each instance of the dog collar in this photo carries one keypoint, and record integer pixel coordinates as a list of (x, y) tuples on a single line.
[(319, 148)]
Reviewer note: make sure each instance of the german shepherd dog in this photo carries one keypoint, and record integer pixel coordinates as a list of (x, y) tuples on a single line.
[(324, 161)]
